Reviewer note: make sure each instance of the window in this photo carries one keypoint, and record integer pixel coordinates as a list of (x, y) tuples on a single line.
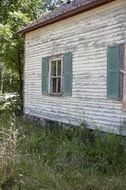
[(56, 76)]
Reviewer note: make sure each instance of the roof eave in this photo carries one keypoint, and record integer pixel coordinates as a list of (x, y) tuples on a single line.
[(66, 15)]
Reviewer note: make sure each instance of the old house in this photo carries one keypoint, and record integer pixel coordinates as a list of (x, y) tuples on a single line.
[(75, 64)]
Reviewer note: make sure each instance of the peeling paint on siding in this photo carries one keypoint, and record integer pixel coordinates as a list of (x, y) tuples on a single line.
[(88, 39)]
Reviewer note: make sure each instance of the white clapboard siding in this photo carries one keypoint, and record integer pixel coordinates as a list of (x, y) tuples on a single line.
[(87, 36)]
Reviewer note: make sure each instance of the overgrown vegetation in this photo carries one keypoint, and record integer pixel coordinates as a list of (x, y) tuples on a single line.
[(10, 103), (58, 158), (34, 157)]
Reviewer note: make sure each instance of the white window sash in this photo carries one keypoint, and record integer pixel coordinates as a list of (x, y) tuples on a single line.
[(51, 77)]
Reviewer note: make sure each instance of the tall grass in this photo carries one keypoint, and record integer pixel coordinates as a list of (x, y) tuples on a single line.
[(58, 158)]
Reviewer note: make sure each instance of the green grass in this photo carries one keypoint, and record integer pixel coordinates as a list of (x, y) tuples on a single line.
[(58, 158)]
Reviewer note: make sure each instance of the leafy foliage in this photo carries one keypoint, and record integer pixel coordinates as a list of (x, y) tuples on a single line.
[(51, 4), (13, 16), (10, 103)]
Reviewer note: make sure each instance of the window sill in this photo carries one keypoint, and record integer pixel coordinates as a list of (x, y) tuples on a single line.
[(55, 95)]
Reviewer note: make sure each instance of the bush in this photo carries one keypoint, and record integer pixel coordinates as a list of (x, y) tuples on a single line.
[(11, 103)]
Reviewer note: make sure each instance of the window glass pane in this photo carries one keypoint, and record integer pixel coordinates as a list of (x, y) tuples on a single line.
[(55, 76), (53, 68), (59, 85), (53, 84), (59, 67)]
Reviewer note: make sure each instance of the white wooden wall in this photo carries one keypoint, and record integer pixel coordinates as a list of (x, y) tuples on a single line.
[(87, 36)]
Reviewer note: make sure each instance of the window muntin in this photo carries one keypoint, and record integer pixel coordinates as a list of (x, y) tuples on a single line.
[(56, 76)]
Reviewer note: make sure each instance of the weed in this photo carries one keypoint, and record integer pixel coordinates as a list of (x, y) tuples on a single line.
[(57, 158)]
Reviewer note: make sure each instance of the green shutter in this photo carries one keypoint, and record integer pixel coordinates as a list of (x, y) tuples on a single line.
[(67, 79), (45, 71), (113, 71)]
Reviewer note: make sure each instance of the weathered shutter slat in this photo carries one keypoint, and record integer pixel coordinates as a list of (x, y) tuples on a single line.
[(113, 71), (45, 71), (67, 72)]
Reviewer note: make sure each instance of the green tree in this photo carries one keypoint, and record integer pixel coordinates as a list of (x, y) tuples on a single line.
[(11, 45), (14, 15), (51, 4)]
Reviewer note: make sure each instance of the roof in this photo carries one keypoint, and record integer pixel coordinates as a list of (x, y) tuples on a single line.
[(63, 12)]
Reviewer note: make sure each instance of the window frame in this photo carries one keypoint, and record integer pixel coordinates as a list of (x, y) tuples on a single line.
[(49, 82)]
